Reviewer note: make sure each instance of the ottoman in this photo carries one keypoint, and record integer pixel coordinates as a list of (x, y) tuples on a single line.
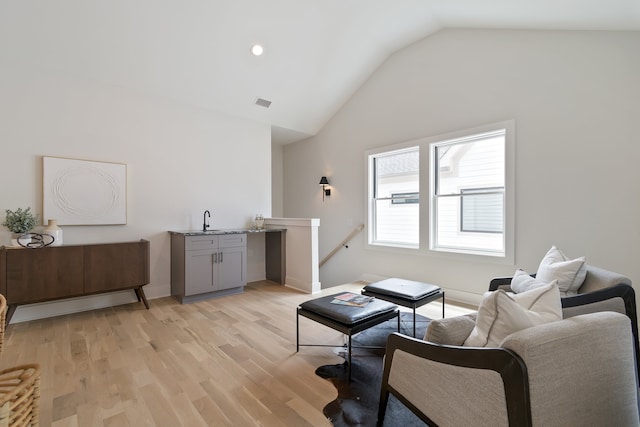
[(344, 318), (406, 293)]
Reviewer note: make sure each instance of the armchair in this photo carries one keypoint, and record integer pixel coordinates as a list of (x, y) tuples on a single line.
[(576, 371), (596, 278), (602, 290)]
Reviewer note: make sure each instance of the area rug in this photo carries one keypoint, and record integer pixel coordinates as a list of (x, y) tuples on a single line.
[(357, 401)]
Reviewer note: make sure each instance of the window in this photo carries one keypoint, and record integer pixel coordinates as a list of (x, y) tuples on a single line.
[(394, 209), (449, 195), (468, 194)]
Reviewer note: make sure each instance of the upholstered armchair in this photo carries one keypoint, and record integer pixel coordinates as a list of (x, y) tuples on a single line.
[(602, 290), (596, 278), (576, 371), (581, 370)]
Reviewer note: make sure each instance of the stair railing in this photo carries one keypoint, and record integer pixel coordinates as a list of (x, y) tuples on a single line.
[(342, 244)]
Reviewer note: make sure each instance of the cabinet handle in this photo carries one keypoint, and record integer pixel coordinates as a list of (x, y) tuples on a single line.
[(215, 258), (220, 257)]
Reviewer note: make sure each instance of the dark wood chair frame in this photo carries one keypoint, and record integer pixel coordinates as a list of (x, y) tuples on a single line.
[(505, 362)]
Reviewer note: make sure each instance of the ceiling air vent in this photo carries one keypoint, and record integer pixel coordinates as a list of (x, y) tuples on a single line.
[(263, 102)]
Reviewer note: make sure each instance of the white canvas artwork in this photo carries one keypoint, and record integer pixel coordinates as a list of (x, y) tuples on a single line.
[(84, 192)]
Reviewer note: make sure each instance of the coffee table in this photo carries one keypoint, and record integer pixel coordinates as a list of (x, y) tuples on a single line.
[(343, 318), (406, 293)]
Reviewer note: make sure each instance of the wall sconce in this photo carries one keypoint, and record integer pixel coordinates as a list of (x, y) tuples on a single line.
[(325, 191)]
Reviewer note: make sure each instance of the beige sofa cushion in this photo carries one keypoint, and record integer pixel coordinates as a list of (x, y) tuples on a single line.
[(523, 282), (501, 314), (570, 273), (451, 330)]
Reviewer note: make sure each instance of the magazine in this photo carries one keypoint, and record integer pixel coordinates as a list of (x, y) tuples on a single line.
[(352, 299)]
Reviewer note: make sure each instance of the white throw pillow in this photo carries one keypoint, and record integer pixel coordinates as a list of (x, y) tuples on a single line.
[(522, 282), (500, 314), (570, 273)]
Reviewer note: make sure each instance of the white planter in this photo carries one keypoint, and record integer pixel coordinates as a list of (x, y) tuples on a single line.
[(54, 231)]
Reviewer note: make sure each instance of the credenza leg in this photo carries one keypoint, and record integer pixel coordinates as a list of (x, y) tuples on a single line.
[(141, 297)]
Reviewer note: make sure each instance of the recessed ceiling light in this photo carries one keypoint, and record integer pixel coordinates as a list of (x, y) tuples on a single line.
[(257, 50)]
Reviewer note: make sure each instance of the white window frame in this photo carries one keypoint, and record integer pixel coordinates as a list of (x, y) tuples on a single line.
[(372, 241), (426, 227), (508, 255)]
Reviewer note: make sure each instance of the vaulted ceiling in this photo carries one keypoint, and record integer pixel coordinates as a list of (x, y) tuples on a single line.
[(316, 52)]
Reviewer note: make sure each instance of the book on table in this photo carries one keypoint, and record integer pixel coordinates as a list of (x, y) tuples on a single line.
[(351, 299)]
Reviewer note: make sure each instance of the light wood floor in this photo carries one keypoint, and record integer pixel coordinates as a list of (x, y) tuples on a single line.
[(227, 361)]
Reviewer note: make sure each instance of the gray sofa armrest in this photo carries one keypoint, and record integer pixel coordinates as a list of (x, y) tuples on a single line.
[(599, 278)]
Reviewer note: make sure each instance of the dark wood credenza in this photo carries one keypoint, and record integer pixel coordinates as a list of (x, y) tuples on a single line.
[(29, 276)]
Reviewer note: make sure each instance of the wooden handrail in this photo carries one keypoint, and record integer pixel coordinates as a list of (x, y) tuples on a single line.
[(341, 244)]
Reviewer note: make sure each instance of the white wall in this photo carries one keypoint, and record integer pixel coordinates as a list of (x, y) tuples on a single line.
[(575, 98), (180, 161)]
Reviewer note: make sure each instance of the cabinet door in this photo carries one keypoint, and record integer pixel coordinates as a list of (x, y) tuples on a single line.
[(200, 271), (115, 266), (35, 275), (232, 267)]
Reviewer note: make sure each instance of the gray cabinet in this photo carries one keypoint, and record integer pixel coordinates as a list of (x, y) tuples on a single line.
[(206, 266)]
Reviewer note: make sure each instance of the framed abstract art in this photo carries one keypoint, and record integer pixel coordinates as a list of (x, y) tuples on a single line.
[(84, 192)]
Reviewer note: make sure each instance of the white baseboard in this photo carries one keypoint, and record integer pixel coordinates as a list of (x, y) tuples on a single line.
[(301, 285)]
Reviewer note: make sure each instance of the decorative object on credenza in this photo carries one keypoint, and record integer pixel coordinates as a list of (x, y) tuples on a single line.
[(35, 240), (54, 231), (84, 192), (19, 222)]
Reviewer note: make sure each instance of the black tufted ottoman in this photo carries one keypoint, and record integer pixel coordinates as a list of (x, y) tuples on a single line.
[(406, 293), (343, 318)]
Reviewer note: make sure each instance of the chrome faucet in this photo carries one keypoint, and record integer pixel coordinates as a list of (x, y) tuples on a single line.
[(204, 220)]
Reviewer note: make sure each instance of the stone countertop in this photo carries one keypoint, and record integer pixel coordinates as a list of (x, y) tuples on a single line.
[(228, 231)]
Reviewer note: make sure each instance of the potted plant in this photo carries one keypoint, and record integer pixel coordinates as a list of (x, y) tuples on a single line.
[(19, 222)]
